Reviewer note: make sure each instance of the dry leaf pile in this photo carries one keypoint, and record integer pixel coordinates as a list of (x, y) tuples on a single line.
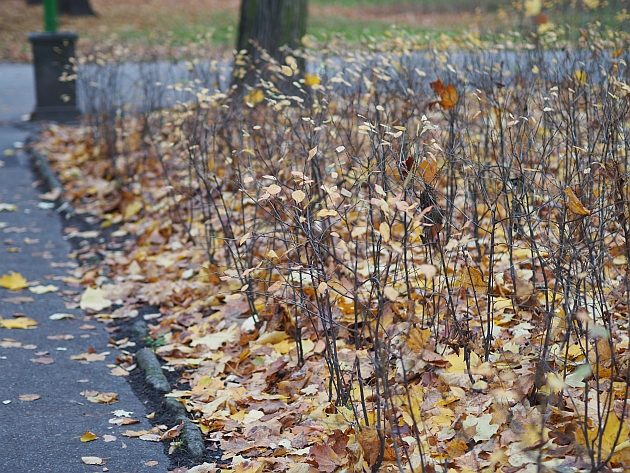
[(391, 268)]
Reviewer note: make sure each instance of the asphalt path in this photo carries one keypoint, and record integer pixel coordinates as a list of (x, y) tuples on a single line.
[(43, 435)]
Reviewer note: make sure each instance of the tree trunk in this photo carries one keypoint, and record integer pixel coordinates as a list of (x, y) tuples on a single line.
[(76, 7), (274, 26), (70, 7)]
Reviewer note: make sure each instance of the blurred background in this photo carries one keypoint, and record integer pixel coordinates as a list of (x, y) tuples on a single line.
[(167, 23)]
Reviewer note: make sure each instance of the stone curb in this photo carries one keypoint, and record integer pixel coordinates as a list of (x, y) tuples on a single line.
[(145, 357), (51, 181), (154, 377)]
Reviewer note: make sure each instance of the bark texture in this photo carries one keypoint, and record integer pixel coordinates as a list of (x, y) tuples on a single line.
[(70, 7), (274, 26)]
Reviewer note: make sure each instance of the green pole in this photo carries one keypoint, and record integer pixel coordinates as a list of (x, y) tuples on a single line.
[(50, 16)]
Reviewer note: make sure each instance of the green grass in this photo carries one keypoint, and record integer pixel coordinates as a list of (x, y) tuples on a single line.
[(353, 31), (445, 6), (221, 27)]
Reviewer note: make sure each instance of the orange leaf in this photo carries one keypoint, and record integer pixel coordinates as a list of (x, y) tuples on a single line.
[(574, 203), (428, 170), (371, 444), (448, 94)]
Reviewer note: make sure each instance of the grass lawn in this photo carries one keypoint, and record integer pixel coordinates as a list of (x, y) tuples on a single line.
[(174, 22)]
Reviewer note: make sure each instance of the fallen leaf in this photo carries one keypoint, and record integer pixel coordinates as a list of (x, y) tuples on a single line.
[(204, 468), (18, 323), (94, 299), (29, 397), (173, 432), (43, 360), (13, 281), (326, 458), (371, 445), (215, 340), (88, 437), (43, 289), (89, 357), (100, 398), (119, 371), (92, 460), (4, 207), (61, 316), (471, 277), (484, 430)]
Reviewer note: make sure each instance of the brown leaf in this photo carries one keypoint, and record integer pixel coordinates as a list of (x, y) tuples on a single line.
[(371, 444), (574, 203), (100, 398), (448, 94), (325, 458)]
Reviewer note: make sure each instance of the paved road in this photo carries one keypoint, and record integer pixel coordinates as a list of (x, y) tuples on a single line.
[(43, 436), (17, 92)]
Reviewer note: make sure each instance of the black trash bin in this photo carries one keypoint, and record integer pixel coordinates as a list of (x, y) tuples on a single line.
[(55, 76)]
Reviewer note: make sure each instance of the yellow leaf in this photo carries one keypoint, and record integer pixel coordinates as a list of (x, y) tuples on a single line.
[(574, 203), (13, 281), (417, 338), (254, 97), (311, 80), (554, 383), (533, 7), (88, 437), (592, 4), (18, 323), (608, 436), (272, 338), (581, 77), (132, 209), (458, 363), (471, 277)]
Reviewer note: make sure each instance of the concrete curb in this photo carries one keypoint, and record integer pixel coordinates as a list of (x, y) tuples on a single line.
[(154, 377), (51, 181), (145, 357)]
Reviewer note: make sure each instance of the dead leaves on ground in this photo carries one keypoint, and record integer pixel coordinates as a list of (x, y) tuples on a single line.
[(450, 405), (13, 281), (18, 323), (100, 397)]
